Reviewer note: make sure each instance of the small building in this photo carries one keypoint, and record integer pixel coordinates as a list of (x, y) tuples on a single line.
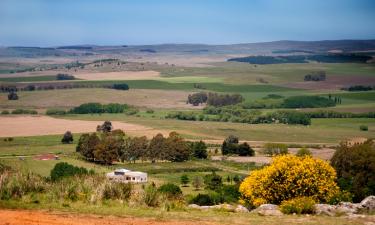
[(127, 176)]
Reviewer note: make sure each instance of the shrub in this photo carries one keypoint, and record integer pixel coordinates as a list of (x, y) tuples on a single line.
[(212, 198), (230, 193), (363, 128), (197, 182), (62, 76), (289, 177), (275, 149), (121, 86), (116, 190), (184, 180), (355, 166), (299, 205), (4, 112), (67, 138), (303, 152), (213, 181), (199, 150), (64, 169), (12, 96), (150, 111), (24, 111), (151, 196), (308, 102), (170, 190)]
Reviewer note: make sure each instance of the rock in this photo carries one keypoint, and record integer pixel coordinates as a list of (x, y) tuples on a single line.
[(325, 209), (241, 209), (194, 206), (268, 210), (347, 208), (368, 204)]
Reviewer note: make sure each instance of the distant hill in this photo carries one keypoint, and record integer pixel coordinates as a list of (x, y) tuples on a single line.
[(262, 48)]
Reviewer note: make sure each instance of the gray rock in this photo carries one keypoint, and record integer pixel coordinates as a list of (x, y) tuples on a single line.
[(325, 209), (268, 210), (241, 209), (194, 206), (347, 208), (368, 204)]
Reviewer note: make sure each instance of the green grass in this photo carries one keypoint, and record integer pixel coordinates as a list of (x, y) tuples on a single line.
[(29, 79)]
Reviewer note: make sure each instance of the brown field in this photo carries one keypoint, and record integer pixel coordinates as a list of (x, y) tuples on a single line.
[(67, 98), (123, 75), (16, 126), (27, 217)]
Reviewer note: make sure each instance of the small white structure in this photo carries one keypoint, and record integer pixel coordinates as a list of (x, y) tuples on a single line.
[(127, 176)]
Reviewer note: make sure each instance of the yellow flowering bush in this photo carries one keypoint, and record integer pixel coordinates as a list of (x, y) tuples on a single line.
[(289, 177)]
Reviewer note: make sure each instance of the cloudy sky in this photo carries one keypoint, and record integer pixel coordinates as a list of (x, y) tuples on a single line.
[(113, 22)]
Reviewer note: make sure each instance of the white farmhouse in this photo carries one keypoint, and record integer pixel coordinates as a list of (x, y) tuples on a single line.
[(127, 176)]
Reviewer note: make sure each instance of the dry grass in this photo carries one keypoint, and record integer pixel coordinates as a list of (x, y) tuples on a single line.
[(16, 126)]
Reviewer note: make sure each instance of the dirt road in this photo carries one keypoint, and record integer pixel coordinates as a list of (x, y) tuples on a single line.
[(27, 217)]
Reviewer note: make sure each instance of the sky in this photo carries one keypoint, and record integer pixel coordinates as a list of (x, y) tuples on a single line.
[(135, 22)]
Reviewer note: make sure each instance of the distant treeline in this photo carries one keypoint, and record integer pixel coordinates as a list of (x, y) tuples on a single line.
[(328, 58), (315, 76), (291, 51), (359, 88), (95, 108), (214, 99), (61, 85)]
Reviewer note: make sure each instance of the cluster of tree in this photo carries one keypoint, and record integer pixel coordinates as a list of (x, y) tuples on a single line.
[(197, 98), (113, 145), (89, 108), (232, 146), (63, 169), (308, 102), (237, 114), (359, 88), (336, 99), (334, 114), (215, 99), (272, 149), (20, 111), (355, 167), (62, 85), (316, 76), (328, 58), (63, 76), (12, 95)]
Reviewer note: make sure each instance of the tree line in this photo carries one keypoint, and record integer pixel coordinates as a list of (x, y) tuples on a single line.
[(214, 99), (110, 145)]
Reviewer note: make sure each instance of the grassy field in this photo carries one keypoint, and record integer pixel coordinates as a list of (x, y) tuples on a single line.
[(28, 79)]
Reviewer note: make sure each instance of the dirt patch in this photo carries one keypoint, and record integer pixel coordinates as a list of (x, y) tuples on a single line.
[(123, 75), (333, 82), (26, 217), (16, 126)]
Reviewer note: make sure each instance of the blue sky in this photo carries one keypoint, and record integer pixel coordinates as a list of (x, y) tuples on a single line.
[(113, 22)]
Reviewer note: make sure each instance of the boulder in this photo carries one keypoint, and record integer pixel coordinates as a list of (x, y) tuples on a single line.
[(368, 204), (347, 208), (325, 209), (194, 206), (268, 210), (241, 209)]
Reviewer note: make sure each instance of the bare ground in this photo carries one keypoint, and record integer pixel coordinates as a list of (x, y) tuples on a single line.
[(27, 217), (16, 126)]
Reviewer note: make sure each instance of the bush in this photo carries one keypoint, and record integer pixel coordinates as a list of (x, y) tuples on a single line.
[(24, 111), (212, 198), (122, 86), (170, 190), (151, 196), (117, 190), (275, 149), (213, 181), (363, 128), (4, 112), (299, 205), (199, 150), (289, 177), (67, 138), (64, 169), (355, 166), (12, 96), (303, 152), (62, 76)]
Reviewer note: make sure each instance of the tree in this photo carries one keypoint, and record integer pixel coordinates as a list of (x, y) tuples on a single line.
[(87, 144), (67, 138), (105, 127), (184, 180), (156, 148), (135, 148), (197, 182), (244, 149), (12, 95), (275, 149), (199, 150), (229, 145), (213, 181), (108, 148), (63, 169), (176, 147), (355, 167)]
